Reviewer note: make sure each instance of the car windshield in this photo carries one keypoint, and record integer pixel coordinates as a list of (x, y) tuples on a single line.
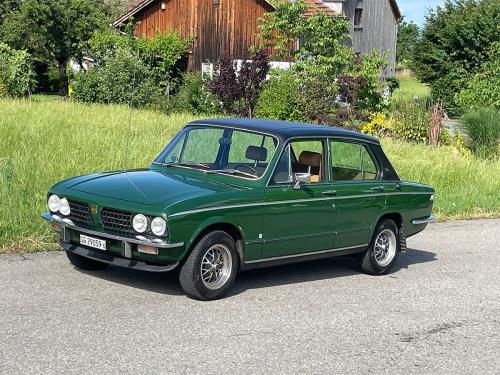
[(221, 151)]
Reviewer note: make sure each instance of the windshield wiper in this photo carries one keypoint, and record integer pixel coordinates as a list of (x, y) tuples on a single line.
[(231, 172), (186, 164)]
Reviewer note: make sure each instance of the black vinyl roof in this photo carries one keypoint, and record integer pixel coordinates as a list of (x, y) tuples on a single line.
[(286, 129)]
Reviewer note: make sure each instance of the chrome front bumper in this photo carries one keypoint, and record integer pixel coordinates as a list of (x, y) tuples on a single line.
[(428, 220), (139, 240)]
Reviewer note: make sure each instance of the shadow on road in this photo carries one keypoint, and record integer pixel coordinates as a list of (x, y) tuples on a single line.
[(332, 268)]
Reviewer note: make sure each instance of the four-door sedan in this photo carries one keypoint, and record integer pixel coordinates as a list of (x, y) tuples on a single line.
[(233, 194)]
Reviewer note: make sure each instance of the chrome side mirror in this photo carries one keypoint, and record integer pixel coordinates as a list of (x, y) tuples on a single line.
[(299, 178)]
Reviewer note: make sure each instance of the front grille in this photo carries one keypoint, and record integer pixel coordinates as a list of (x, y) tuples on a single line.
[(116, 220), (80, 214)]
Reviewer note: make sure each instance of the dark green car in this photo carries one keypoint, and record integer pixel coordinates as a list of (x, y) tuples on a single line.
[(233, 194)]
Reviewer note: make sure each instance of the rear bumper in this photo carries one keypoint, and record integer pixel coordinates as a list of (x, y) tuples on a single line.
[(426, 220), (104, 257)]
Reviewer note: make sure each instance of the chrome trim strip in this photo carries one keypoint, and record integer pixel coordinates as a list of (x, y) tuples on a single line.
[(244, 205), (305, 254), (160, 244), (430, 219)]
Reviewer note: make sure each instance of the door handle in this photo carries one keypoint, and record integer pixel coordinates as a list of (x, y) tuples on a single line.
[(377, 188), (331, 193)]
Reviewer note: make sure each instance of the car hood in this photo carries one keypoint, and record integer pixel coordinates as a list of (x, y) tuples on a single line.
[(148, 187)]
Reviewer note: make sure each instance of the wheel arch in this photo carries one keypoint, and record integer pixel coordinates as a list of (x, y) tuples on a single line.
[(219, 223), (394, 216)]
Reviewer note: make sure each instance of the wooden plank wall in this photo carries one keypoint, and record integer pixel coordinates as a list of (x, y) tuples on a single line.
[(231, 25)]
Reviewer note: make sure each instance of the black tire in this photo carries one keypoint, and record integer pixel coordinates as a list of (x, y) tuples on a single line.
[(191, 272), (368, 261), (85, 263)]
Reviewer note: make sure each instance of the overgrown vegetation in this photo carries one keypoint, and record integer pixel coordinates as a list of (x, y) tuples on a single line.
[(17, 75), (73, 139), (455, 41), (483, 129)]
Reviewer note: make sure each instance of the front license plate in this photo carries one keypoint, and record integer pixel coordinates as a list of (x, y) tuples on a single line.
[(92, 242)]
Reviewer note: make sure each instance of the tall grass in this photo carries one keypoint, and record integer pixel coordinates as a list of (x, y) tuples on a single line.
[(43, 142), (410, 88), (483, 130)]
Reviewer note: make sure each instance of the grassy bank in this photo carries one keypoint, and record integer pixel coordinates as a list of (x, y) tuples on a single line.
[(410, 87), (44, 142)]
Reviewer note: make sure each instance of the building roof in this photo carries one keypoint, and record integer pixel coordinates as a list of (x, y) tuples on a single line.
[(313, 5), (285, 129)]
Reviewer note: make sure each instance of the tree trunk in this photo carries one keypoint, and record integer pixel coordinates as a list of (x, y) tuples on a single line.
[(63, 77)]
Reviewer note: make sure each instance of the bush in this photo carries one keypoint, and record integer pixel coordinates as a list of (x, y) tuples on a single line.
[(411, 120), (17, 73), (122, 79), (483, 129), (378, 124), (193, 97), (483, 89), (279, 99)]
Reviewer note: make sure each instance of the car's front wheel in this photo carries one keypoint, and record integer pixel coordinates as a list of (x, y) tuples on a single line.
[(210, 269), (384, 249), (85, 263)]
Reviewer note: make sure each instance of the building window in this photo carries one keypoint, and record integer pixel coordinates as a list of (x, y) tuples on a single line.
[(215, 2), (207, 70), (358, 14)]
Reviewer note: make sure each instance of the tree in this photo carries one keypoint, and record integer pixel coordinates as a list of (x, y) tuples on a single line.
[(408, 34), (53, 31), (8, 6), (455, 41), (239, 93)]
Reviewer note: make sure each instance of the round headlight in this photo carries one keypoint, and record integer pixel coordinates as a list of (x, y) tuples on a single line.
[(158, 226), (140, 223), (54, 203), (64, 207)]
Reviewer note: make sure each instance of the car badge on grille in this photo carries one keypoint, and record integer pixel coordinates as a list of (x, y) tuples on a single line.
[(93, 209)]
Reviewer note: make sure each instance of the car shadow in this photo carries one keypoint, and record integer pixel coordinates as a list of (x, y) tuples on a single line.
[(331, 268)]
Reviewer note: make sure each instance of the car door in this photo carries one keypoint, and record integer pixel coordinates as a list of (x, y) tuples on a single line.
[(301, 220), (360, 193)]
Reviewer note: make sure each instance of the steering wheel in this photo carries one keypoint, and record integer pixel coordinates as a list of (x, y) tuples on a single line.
[(255, 171)]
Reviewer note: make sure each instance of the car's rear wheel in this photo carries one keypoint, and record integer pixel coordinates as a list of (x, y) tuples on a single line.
[(384, 249), (210, 269), (85, 263)]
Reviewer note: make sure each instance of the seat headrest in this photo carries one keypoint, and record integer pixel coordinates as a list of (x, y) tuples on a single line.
[(311, 159), (256, 153)]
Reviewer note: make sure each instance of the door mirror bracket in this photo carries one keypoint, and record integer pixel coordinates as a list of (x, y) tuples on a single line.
[(299, 178)]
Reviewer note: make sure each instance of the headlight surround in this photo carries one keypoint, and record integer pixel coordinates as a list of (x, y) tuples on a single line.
[(64, 207), (159, 226), (54, 203), (140, 223)]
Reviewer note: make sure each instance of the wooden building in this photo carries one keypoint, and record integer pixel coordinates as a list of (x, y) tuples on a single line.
[(232, 25)]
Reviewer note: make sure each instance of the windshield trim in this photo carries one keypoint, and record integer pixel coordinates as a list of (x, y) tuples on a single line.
[(200, 125)]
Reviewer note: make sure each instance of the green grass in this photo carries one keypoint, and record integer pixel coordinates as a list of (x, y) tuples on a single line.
[(42, 142), (410, 88)]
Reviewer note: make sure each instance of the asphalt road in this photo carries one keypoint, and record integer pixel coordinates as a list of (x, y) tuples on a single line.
[(439, 312)]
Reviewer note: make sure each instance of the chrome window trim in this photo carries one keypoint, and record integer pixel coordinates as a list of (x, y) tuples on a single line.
[(154, 162)]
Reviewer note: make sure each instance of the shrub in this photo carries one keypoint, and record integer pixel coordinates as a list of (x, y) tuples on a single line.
[(483, 89), (483, 130), (193, 97), (238, 93), (411, 120), (378, 124), (17, 73), (122, 78), (280, 98), (317, 100)]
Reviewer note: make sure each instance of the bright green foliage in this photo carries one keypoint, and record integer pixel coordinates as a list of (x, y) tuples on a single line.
[(411, 120), (17, 75), (408, 34), (483, 89), (8, 6), (160, 53), (121, 78), (483, 130), (193, 97), (323, 48), (455, 41), (280, 29), (54, 30), (280, 98)]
